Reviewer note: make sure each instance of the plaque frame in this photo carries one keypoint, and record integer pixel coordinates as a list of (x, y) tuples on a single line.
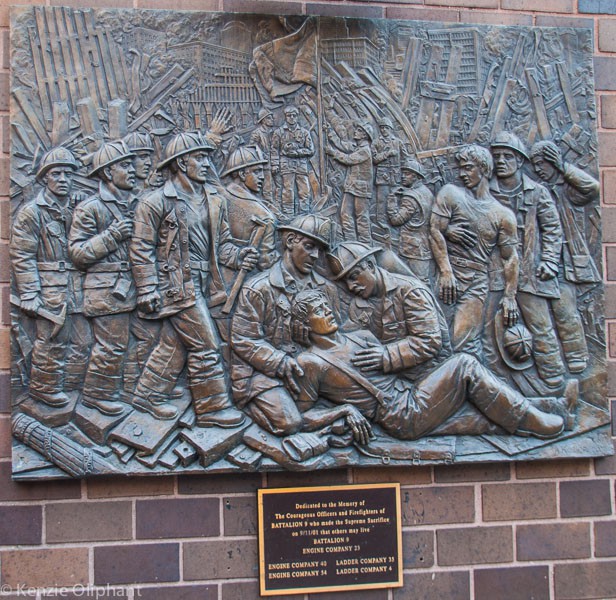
[(306, 494)]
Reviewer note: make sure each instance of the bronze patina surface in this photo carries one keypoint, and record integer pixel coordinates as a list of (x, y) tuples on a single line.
[(250, 243)]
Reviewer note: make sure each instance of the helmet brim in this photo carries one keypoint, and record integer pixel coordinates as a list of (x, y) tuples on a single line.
[(113, 161), (248, 164), (499, 334), (355, 262), (510, 147), (325, 243), (41, 172), (162, 164)]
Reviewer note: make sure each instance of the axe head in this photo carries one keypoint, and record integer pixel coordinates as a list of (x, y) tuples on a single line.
[(58, 326)]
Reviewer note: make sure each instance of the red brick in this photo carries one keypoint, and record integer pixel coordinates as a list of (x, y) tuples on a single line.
[(11, 491), (4, 91), (87, 593), (5, 314), (577, 581), (226, 559), (45, 568), (263, 7), (354, 595), (180, 4), (611, 382), (4, 263), (560, 21), (136, 563), (361, 11), (512, 583), (513, 501), (450, 585), (120, 487), (5, 351), (610, 301), (173, 518), (606, 465), (610, 254), (608, 111), (417, 549), (465, 3), (605, 538), (5, 49), (585, 498), (5, 218), (5, 437), (4, 176), (466, 473), (553, 541), (609, 186), (607, 149), (288, 479), (495, 18), (422, 14), (474, 545), (249, 590), (607, 35), (401, 475), (539, 469), (5, 399), (5, 147), (174, 592), (88, 521), (431, 505), (240, 515), (20, 525), (219, 484), (4, 9), (605, 73), (565, 6)]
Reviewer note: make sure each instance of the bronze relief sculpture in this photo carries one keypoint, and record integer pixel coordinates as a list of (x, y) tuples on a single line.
[(245, 243)]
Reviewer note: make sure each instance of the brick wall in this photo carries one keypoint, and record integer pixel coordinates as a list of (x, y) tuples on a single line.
[(491, 532)]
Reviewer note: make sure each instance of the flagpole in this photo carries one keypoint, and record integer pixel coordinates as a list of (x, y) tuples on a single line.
[(320, 119)]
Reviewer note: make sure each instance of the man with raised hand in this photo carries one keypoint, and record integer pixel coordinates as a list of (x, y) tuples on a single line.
[(572, 190), (358, 183)]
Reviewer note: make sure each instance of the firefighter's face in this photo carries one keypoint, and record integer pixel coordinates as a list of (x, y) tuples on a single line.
[(143, 164), (59, 180), (123, 174), (197, 165), (253, 178)]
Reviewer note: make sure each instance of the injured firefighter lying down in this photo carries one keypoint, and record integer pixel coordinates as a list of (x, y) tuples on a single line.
[(333, 389)]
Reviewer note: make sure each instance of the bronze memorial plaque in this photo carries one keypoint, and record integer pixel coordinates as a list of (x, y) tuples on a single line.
[(251, 242), (319, 539)]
